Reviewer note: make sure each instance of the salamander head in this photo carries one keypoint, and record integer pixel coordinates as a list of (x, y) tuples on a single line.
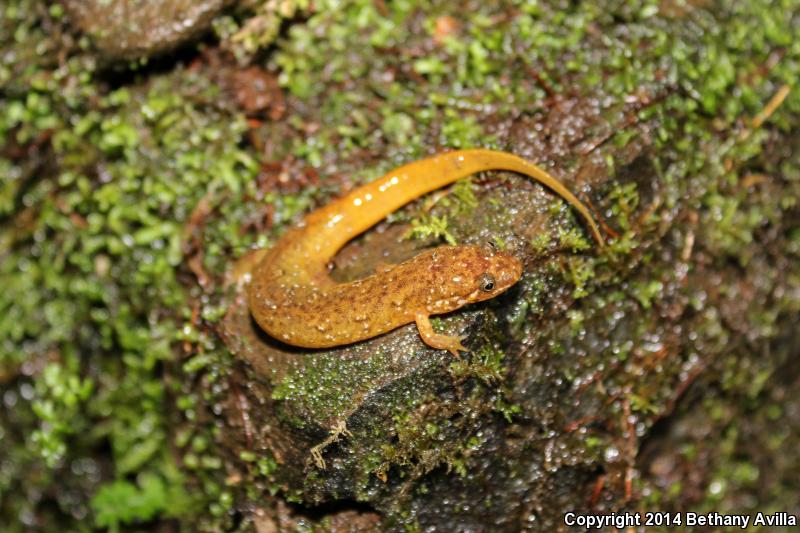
[(471, 274)]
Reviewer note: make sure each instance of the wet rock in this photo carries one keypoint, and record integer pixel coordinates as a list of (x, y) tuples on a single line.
[(133, 29), (578, 364), (380, 420)]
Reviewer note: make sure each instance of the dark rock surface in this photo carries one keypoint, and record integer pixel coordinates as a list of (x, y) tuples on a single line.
[(133, 29)]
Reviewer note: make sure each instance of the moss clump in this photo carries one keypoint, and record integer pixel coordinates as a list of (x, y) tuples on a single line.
[(93, 238), (256, 26)]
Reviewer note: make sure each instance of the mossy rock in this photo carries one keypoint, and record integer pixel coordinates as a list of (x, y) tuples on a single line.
[(657, 372)]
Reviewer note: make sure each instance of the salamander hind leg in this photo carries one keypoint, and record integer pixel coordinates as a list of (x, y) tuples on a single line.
[(451, 343)]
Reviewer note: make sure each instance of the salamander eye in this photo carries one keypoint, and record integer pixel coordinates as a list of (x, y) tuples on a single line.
[(486, 282)]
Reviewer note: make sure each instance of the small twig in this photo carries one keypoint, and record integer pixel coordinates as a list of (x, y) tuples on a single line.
[(316, 452), (773, 104), (769, 109)]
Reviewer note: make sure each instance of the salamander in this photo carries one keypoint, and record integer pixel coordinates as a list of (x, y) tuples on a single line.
[(292, 297)]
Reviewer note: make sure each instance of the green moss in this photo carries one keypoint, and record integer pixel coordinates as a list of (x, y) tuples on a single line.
[(92, 279), (646, 292), (580, 272), (61, 396), (327, 386), (122, 502), (257, 26), (485, 364), (432, 431), (426, 438), (430, 227), (625, 201), (457, 203)]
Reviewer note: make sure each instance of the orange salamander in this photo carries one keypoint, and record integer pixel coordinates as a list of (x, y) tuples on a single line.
[(293, 299)]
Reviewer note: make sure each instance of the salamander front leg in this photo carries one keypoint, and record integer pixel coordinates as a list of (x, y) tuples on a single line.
[(451, 343)]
